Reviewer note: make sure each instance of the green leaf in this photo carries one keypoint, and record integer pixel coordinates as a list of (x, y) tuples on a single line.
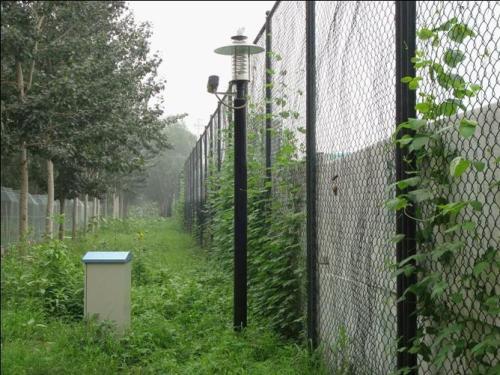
[(420, 195), (478, 165), (479, 268), (414, 83), (475, 87), (467, 128), (450, 80), (423, 107), (452, 208), (468, 226), (453, 57), (419, 142), (447, 25), (458, 166), (459, 32), (416, 124), (425, 34), (397, 238), (405, 139), (396, 204), (476, 205), (406, 79), (438, 288), (449, 107), (412, 181)]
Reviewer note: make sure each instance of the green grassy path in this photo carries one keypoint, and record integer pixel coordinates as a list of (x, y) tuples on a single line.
[(181, 321)]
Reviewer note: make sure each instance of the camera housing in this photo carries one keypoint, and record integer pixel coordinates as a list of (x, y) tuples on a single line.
[(213, 84)]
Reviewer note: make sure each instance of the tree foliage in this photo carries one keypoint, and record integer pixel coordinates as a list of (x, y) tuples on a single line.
[(80, 87)]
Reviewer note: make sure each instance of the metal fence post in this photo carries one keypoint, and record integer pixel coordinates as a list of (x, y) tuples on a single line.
[(219, 138), (205, 180), (405, 108), (200, 196), (311, 173), (191, 191), (269, 104)]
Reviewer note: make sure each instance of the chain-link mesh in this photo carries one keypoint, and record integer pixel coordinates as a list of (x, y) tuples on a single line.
[(355, 118), (37, 212), (355, 164), (481, 66)]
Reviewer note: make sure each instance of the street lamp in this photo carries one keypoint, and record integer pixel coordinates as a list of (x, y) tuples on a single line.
[(240, 50)]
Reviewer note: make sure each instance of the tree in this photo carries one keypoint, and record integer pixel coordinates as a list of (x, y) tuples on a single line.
[(89, 110)]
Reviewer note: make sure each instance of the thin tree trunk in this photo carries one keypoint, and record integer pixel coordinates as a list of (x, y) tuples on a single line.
[(49, 217), (120, 205), (115, 204), (98, 215), (62, 204), (23, 190), (23, 194), (85, 207), (74, 221), (105, 204), (94, 215)]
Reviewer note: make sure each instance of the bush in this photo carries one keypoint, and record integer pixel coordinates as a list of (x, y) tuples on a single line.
[(46, 272)]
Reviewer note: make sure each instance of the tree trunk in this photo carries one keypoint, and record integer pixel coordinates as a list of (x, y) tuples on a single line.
[(105, 204), (115, 205), (98, 215), (94, 215), (49, 217), (62, 204), (74, 221), (85, 208), (23, 191), (23, 194), (120, 206)]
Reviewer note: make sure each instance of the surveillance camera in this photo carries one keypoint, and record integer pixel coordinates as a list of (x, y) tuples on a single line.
[(213, 84)]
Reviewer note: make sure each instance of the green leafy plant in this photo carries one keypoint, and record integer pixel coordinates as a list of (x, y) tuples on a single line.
[(275, 217), (446, 225), (47, 272)]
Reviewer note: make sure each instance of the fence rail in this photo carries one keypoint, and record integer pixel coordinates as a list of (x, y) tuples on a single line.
[(338, 65)]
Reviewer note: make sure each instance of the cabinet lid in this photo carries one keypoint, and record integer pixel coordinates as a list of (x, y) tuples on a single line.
[(107, 257)]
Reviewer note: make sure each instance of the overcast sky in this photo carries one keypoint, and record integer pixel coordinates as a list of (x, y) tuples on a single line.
[(186, 33)]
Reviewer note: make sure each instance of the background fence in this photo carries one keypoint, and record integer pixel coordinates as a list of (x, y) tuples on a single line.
[(37, 206), (344, 73)]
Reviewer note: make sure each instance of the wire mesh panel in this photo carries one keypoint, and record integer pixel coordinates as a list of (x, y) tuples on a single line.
[(289, 73), (10, 216), (463, 304), (355, 118), (356, 86), (256, 122)]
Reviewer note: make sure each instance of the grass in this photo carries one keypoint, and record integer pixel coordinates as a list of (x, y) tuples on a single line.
[(181, 313)]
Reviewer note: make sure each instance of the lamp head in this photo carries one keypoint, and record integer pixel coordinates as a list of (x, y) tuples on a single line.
[(240, 50)]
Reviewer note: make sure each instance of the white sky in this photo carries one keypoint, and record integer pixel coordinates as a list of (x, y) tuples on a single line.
[(185, 33)]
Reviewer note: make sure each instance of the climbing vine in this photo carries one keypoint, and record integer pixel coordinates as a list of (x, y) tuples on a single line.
[(447, 290), (275, 220)]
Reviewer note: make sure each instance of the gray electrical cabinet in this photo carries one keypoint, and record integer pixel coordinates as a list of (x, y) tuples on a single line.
[(107, 286)]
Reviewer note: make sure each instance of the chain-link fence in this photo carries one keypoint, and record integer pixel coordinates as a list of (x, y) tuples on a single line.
[(81, 214), (352, 62), (466, 298)]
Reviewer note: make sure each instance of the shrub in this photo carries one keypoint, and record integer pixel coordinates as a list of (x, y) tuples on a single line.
[(48, 273)]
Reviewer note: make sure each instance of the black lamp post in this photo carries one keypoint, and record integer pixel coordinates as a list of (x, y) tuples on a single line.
[(240, 51)]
